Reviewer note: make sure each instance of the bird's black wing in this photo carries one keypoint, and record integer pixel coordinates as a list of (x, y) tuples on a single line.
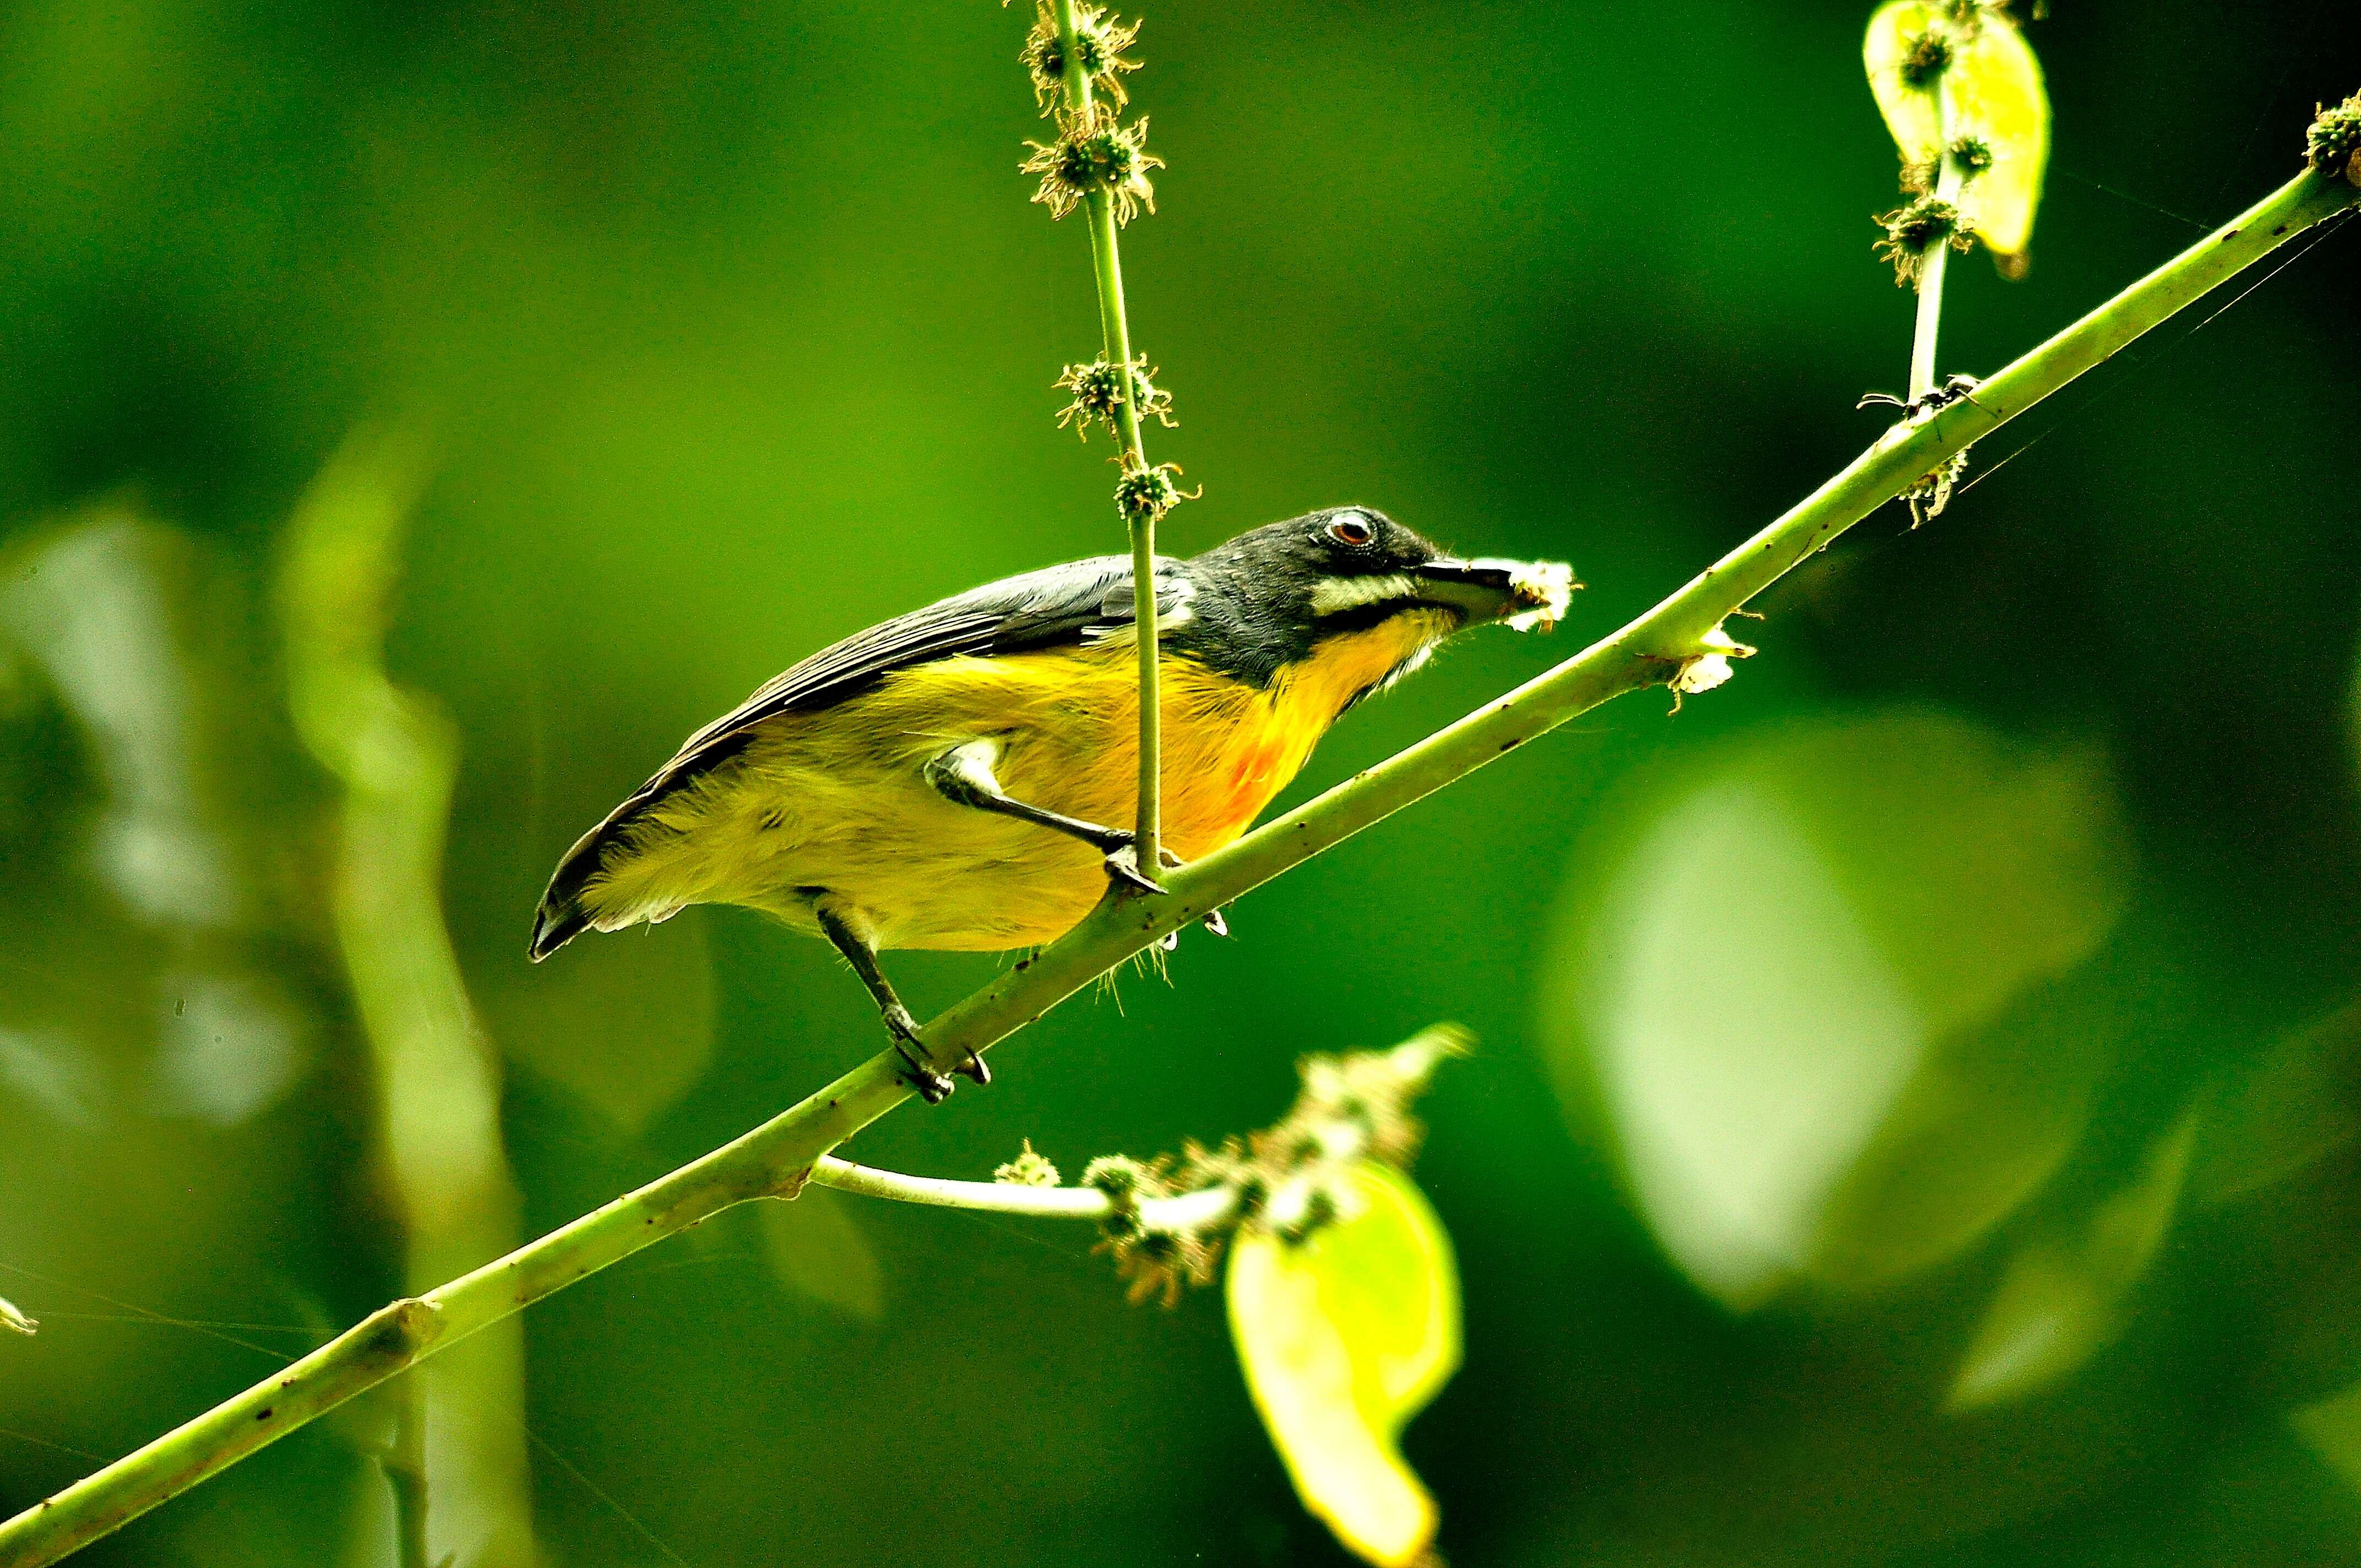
[(1053, 607)]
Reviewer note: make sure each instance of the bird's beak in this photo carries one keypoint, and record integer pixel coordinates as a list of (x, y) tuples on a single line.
[(1525, 594)]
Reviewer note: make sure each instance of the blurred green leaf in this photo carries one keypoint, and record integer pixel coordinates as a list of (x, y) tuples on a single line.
[(2331, 1428), (818, 1250), (627, 1024), (2271, 1118), (2061, 1297), (1343, 1338), (1789, 980), (1992, 91)]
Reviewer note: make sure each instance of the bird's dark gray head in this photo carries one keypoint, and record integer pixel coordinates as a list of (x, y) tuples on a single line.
[(1268, 598)]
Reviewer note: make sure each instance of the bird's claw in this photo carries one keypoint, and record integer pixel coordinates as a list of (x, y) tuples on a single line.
[(1123, 866), (933, 1087)]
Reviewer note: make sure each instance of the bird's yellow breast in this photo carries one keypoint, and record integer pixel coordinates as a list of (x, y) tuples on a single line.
[(835, 799)]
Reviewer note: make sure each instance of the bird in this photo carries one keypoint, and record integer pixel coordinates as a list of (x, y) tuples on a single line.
[(960, 777)]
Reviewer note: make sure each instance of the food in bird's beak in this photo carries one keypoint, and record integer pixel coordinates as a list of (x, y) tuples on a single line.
[(1542, 590), (1527, 594)]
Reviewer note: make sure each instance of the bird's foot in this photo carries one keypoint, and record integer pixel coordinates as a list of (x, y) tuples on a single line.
[(933, 1087), (1123, 863)]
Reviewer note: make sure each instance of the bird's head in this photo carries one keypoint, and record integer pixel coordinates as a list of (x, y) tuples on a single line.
[(1354, 576)]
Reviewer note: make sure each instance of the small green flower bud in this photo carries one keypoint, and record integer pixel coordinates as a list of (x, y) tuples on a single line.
[(1928, 56), (1146, 494), (1099, 40), (1113, 1174), (1970, 155), (1121, 1178), (1319, 1210), (1028, 1170), (1096, 153), (1097, 391), (1912, 231), (2334, 141)]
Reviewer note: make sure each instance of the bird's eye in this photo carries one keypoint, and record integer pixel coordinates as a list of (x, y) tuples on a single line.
[(1352, 529)]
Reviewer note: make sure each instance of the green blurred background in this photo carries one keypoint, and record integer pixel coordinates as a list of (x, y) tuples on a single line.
[(1915, 1123)]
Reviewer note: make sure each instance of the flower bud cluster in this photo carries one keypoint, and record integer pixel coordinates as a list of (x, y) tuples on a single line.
[(1097, 389), (1099, 43), (1913, 230), (1096, 153), (1145, 493), (2333, 145), (1168, 1217)]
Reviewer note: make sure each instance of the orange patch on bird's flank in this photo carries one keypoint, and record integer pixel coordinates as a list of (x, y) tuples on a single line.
[(1254, 767)]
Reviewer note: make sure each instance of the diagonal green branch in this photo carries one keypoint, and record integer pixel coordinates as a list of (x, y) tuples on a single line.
[(1667, 645)]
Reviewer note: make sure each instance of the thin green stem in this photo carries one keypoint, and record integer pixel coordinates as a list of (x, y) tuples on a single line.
[(1114, 331), (773, 1159), (1930, 322), (1936, 263), (437, 1078), (1185, 1212), (404, 1462)]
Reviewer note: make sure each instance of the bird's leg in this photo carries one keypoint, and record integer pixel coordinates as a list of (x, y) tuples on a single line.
[(933, 1087), (963, 774)]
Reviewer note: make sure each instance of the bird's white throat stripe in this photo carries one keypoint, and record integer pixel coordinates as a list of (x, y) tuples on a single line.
[(1330, 596)]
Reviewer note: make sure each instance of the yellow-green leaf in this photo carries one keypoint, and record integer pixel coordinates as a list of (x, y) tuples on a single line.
[(1343, 1338), (1991, 90), (818, 1249), (2273, 1118), (2064, 1295), (1804, 981)]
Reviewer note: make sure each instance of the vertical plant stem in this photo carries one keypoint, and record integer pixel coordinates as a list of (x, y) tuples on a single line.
[(1930, 277), (405, 1470), (1114, 331), (437, 1082)]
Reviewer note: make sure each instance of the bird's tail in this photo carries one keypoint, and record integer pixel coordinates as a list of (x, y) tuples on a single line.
[(555, 923), (561, 917)]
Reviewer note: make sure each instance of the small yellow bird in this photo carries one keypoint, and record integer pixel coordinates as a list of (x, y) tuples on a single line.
[(952, 778)]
